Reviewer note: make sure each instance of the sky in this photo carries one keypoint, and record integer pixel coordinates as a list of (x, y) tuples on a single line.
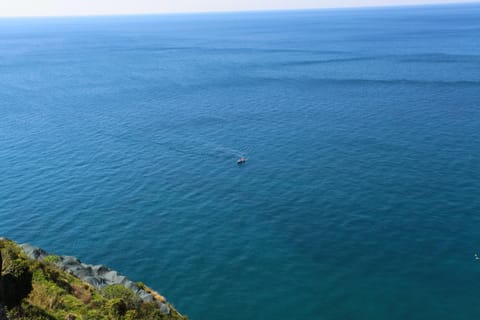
[(14, 8)]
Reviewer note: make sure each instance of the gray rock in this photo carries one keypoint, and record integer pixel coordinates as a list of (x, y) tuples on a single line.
[(33, 252), (164, 308), (68, 261), (146, 297), (97, 282), (100, 269)]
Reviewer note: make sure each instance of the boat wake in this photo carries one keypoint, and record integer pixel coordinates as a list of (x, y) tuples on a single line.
[(197, 148)]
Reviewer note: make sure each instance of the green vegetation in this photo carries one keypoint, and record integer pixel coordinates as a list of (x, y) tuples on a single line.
[(127, 297), (38, 290), (51, 259)]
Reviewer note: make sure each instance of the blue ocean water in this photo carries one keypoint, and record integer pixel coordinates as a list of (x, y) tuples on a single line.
[(360, 199)]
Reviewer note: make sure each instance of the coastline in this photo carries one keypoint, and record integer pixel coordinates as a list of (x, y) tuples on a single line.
[(27, 270)]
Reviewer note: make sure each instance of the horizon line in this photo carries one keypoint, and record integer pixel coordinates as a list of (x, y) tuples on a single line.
[(346, 7)]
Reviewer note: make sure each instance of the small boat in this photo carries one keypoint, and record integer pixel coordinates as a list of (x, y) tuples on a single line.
[(242, 160)]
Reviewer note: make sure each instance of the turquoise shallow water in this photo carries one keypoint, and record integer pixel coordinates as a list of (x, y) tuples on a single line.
[(119, 136)]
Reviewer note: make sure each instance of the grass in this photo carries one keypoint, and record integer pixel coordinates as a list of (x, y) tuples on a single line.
[(42, 291)]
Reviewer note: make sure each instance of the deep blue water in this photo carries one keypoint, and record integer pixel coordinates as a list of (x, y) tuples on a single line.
[(119, 137)]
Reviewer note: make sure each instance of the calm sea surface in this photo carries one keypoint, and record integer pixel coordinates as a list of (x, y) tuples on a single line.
[(361, 198)]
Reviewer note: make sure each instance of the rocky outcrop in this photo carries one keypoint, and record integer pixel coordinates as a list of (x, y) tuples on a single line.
[(99, 276), (36, 285)]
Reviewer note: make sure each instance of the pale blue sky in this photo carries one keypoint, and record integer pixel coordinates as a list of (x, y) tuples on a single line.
[(10, 8)]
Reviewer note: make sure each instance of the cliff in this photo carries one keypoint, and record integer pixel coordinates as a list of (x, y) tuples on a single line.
[(38, 285)]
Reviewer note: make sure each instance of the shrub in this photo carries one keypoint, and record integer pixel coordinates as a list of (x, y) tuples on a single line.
[(28, 312), (16, 276), (131, 315), (119, 291), (117, 308), (51, 259)]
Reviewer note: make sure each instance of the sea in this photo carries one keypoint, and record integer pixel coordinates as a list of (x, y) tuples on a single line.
[(360, 198)]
